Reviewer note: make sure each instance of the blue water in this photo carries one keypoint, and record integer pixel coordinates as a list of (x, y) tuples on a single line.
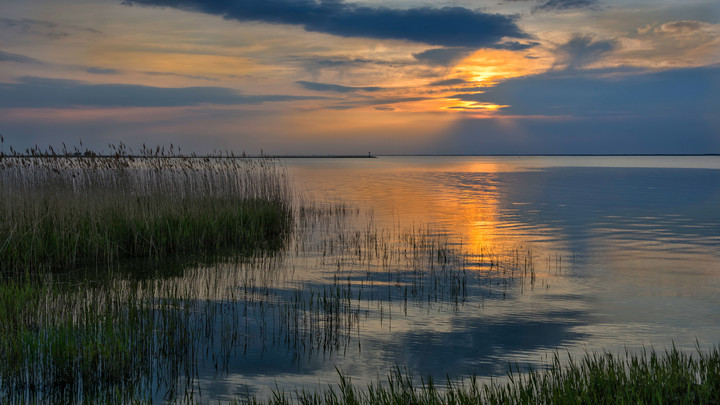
[(625, 253)]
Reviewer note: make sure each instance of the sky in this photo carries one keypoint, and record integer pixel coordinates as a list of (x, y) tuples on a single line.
[(346, 77)]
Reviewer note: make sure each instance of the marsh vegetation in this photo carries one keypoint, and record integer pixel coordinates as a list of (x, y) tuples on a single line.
[(596, 378), (141, 276), (63, 211)]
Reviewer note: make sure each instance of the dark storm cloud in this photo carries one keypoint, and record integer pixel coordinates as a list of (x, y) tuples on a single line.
[(447, 26), (315, 86), (35, 92), (566, 5), (17, 58), (581, 50)]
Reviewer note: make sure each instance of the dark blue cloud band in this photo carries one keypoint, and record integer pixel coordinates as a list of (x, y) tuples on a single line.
[(447, 26)]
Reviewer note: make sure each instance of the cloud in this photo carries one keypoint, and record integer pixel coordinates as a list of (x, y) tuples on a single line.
[(450, 82), (46, 29), (442, 56), (102, 71), (447, 26), (680, 43), (319, 62), (551, 5), (37, 92), (375, 102), (683, 27), (581, 51), (17, 58), (687, 93), (516, 46), (198, 77), (451, 56), (314, 64), (589, 135), (478, 97), (315, 86)]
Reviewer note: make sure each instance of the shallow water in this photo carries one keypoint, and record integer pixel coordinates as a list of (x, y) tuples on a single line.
[(546, 254)]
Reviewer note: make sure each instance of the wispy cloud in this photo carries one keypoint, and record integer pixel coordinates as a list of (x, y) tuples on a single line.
[(314, 64), (551, 5), (385, 103), (110, 71), (442, 56), (447, 26), (47, 29), (315, 86), (671, 44), (187, 76), (37, 92), (450, 82), (582, 50), (102, 71), (479, 97), (17, 58)]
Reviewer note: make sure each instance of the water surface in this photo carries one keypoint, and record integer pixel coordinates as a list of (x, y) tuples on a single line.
[(547, 254)]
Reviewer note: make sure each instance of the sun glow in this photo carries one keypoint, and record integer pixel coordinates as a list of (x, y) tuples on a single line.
[(475, 106), (487, 67)]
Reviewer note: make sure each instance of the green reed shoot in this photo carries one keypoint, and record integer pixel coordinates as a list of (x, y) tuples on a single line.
[(650, 377)]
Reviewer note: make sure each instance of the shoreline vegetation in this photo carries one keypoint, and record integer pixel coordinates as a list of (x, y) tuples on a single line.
[(86, 311), (62, 212), (650, 377), (159, 152), (124, 278)]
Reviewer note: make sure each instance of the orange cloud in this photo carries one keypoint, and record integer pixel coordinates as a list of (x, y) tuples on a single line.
[(487, 67)]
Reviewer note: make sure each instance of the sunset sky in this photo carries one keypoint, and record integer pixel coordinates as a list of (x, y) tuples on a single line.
[(342, 77)]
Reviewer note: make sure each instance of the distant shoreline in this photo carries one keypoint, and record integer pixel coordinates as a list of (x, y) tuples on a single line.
[(358, 156), (103, 156), (555, 155)]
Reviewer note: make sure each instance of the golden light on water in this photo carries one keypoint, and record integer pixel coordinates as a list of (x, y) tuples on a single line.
[(470, 204)]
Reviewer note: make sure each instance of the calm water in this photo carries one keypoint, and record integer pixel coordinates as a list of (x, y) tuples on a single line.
[(547, 254)]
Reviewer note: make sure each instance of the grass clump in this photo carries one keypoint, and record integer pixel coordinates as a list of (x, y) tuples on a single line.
[(54, 346), (649, 377), (68, 210)]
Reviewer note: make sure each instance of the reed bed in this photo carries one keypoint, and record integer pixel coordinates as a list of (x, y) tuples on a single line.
[(68, 338), (66, 210), (649, 377)]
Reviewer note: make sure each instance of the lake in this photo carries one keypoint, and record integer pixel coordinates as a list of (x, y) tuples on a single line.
[(453, 266)]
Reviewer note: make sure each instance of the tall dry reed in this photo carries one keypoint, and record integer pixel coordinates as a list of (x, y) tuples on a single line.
[(64, 210)]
